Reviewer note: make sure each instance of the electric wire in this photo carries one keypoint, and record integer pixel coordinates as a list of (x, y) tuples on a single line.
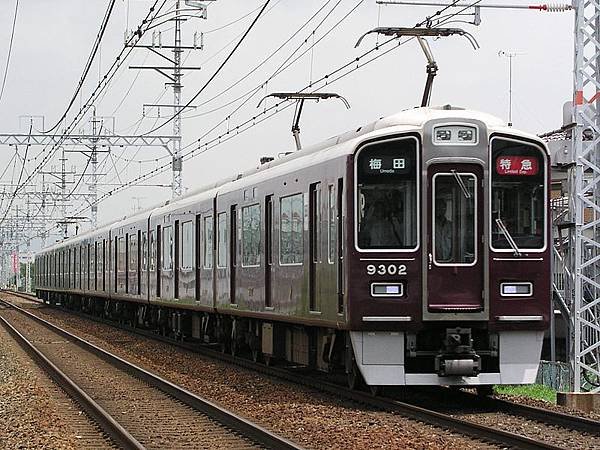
[(252, 122), (276, 107), (281, 68), (88, 64), (12, 198), (216, 73), (10, 45), (101, 85), (119, 60)]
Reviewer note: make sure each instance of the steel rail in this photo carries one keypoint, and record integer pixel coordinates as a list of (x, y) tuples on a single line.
[(409, 410), (546, 416), (109, 425), (226, 418)]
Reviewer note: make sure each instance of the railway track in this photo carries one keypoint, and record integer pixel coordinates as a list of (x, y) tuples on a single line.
[(136, 408), (413, 411)]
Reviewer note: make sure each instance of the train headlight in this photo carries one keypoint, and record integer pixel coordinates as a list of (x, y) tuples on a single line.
[(516, 289), (387, 289)]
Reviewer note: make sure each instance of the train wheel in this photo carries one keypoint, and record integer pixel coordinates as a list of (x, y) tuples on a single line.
[(223, 347), (375, 390), (354, 378), (486, 390)]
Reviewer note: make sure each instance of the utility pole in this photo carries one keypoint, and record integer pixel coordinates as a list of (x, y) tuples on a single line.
[(585, 194), (63, 191), (177, 158), (93, 188), (175, 77), (510, 56)]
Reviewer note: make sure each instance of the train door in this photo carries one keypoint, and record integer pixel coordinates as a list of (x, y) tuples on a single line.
[(233, 255), (268, 250), (177, 264), (314, 212), (455, 249)]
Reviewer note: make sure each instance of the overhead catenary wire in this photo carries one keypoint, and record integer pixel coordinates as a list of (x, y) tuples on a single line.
[(87, 66), (10, 46), (202, 147), (236, 130), (216, 73), (280, 69), (99, 88), (119, 60)]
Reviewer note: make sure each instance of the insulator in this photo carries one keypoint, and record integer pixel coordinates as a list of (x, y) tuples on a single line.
[(557, 7)]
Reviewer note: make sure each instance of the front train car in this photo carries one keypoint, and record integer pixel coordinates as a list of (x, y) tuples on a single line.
[(448, 250)]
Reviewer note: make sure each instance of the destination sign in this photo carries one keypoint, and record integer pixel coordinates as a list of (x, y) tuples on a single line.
[(385, 165), (517, 165)]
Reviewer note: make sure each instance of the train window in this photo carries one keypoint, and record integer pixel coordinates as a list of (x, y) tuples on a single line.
[(187, 245), (133, 253), (152, 259), (454, 218), (121, 254), (104, 266), (100, 267), (331, 232), (144, 251), (291, 239), (518, 196), (222, 240), (167, 248), (81, 266), (208, 242), (92, 266), (386, 202), (97, 263), (251, 236)]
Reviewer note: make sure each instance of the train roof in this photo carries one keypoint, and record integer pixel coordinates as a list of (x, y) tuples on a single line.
[(339, 145)]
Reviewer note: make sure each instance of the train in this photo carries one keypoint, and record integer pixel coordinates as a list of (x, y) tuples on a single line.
[(414, 250)]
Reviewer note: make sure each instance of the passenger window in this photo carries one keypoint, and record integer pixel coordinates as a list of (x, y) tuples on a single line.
[(331, 224), (222, 240), (518, 195), (454, 218), (187, 247), (144, 251), (251, 236), (291, 242), (386, 204), (208, 242), (121, 254), (133, 253), (167, 248), (152, 251)]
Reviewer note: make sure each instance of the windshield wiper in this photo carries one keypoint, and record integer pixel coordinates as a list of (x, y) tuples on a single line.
[(460, 182), (508, 237)]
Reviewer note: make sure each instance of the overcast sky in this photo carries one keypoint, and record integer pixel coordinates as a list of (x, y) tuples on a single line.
[(53, 39)]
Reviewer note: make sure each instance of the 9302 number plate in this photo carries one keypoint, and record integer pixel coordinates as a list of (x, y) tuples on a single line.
[(386, 269)]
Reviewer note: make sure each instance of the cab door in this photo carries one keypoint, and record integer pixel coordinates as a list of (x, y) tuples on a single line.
[(455, 249)]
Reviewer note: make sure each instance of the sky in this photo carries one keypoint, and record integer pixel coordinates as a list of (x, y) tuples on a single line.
[(54, 37)]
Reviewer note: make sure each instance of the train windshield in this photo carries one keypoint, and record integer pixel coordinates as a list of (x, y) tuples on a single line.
[(387, 195), (518, 196)]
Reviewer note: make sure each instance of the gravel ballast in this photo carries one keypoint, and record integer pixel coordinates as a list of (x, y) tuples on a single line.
[(305, 416), (34, 412)]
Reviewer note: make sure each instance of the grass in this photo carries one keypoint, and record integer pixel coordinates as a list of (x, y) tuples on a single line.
[(536, 391)]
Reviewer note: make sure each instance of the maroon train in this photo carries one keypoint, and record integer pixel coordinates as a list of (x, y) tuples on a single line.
[(413, 251)]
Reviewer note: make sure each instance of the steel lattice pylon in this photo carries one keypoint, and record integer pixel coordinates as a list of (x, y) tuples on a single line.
[(585, 204)]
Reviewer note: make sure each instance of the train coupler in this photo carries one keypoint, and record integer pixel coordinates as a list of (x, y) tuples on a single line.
[(458, 358)]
